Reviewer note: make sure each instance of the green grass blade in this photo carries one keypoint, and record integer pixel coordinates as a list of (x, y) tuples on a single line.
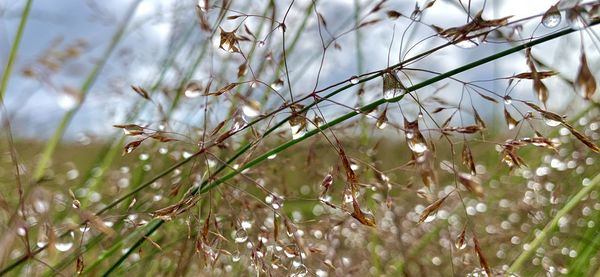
[(14, 49)]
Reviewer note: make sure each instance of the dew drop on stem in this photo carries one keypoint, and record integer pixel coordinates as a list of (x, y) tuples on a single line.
[(277, 85), (354, 80), (552, 17), (468, 43), (193, 90), (241, 236), (250, 111), (414, 138), (551, 123), (299, 271), (235, 257), (65, 243), (392, 87)]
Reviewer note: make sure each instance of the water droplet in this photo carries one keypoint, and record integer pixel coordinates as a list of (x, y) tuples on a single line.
[(389, 94), (430, 218), (298, 131), (21, 231), (277, 85), (193, 90), (186, 154), (277, 203), (417, 147), (64, 244), (40, 206), (381, 122), (261, 43), (551, 123), (507, 100), (202, 5), (269, 199), (348, 198), (414, 138), (468, 43), (72, 174), (325, 198), (291, 250), (246, 224), (270, 157), (299, 271), (241, 236), (238, 123), (235, 257), (354, 80), (392, 87), (552, 17), (460, 244), (251, 110), (144, 157), (67, 101)]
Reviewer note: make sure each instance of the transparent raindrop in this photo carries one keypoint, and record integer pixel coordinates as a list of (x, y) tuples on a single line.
[(235, 257), (430, 217), (42, 239), (21, 231), (507, 100), (250, 111), (67, 101), (241, 236), (460, 244), (193, 90), (65, 243), (291, 250), (202, 5), (72, 174), (552, 17), (348, 198), (389, 94), (298, 131), (277, 85), (354, 80), (246, 224), (551, 123), (299, 271), (468, 43)]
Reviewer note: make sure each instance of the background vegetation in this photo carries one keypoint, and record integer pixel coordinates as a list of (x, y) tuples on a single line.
[(304, 138)]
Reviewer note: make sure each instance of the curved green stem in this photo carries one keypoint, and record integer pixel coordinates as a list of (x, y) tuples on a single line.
[(13, 49)]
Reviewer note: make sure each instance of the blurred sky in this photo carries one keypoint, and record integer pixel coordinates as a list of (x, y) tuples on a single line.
[(37, 105)]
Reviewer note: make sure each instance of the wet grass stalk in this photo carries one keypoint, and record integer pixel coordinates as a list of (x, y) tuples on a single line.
[(142, 233), (12, 56), (205, 187)]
